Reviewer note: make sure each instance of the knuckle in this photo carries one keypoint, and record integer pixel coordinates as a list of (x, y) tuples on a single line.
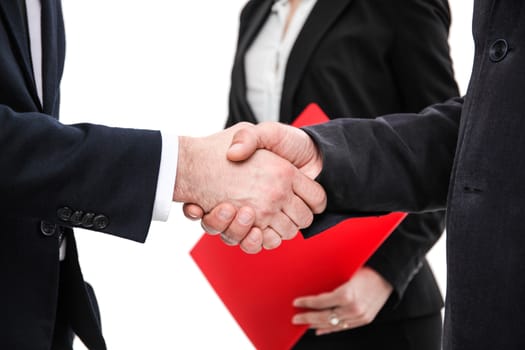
[(360, 312), (292, 234), (241, 125), (252, 243), (307, 219), (264, 216), (274, 195), (319, 199), (272, 244), (368, 319), (234, 233), (271, 240), (250, 248), (348, 299), (285, 172)]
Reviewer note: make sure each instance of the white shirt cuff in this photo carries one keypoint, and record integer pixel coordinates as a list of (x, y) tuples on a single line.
[(167, 175)]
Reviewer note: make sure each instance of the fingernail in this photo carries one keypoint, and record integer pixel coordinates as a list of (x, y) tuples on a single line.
[(208, 229), (228, 240), (225, 215), (254, 238), (274, 243), (236, 147), (295, 320), (245, 218), (296, 303)]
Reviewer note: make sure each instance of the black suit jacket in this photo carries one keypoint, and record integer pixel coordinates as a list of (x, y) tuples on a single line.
[(361, 58), (54, 177), (470, 148)]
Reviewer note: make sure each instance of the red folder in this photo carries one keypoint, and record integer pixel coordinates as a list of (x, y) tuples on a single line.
[(258, 290)]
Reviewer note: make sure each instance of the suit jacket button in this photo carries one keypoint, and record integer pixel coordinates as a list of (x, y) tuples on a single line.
[(87, 220), (498, 50), (64, 213), (48, 229), (76, 217), (100, 222)]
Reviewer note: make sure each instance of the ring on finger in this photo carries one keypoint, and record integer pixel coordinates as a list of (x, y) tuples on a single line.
[(333, 319), (343, 324)]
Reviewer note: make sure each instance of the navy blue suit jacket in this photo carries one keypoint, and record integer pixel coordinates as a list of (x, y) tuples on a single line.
[(54, 177)]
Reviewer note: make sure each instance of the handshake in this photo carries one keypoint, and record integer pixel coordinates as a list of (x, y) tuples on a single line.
[(253, 184)]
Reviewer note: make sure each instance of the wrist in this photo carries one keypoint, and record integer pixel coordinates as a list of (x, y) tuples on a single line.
[(182, 188), (378, 279), (317, 163)]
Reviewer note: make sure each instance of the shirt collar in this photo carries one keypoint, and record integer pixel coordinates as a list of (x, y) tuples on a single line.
[(283, 3)]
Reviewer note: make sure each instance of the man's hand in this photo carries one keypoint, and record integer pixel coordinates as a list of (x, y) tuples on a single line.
[(353, 304), (281, 197), (288, 142)]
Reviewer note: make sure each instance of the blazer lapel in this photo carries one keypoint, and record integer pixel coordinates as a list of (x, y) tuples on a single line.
[(253, 27), (323, 15), (50, 53), (238, 93), (13, 17)]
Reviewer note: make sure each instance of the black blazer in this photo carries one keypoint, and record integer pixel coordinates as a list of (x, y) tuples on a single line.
[(359, 58), (54, 177), (470, 148)]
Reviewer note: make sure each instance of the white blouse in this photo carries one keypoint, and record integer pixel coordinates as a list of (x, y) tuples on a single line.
[(266, 59)]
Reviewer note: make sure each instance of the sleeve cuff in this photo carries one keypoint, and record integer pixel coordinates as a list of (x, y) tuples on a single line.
[(397, 278), (166, 178)]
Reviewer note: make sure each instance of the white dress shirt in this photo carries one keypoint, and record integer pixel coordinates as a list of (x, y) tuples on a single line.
[(266, 59), (169, 154)]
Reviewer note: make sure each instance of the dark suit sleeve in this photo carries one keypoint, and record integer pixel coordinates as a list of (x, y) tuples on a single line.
[(394, 163), (423, 72), (399, 162), (401, 256), (46, 166), (420, 55)]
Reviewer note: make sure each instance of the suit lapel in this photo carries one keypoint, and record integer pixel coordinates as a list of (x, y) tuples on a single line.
[(13, 13), (323, 15), (49, 52), (238, 73), (253, 27)]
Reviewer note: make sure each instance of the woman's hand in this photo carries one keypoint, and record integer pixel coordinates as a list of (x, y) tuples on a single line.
[(353, 304)]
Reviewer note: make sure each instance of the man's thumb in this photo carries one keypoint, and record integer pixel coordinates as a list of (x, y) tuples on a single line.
[(243, 146)]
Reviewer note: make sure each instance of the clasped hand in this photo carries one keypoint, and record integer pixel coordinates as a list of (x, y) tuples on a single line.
[(262, 193), (353, 304)]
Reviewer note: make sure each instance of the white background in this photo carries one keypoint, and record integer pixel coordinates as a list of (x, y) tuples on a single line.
[(166, 64)]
